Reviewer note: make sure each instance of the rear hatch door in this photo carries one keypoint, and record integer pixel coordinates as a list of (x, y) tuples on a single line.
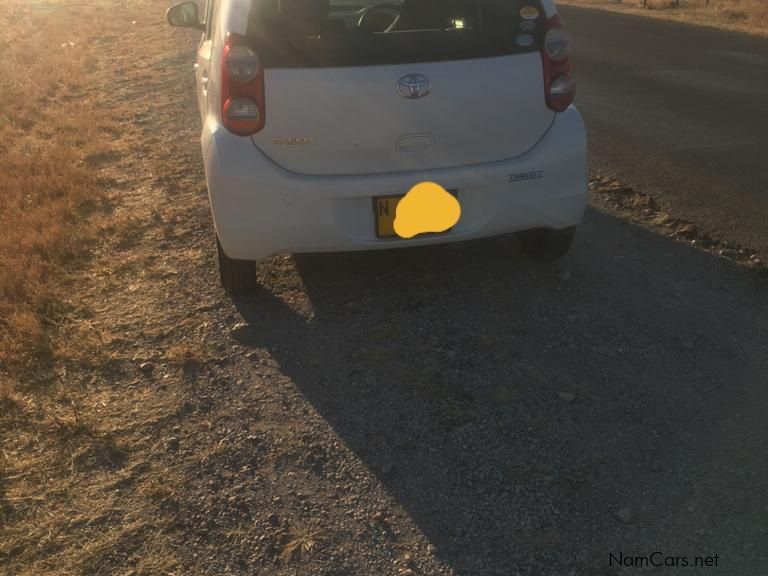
[(465, 89)]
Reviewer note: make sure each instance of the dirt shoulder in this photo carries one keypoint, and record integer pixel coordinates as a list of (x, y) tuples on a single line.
[(746, 16), (453, 410)]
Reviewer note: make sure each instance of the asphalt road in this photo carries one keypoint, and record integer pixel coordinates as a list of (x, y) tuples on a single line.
[(679, 112)]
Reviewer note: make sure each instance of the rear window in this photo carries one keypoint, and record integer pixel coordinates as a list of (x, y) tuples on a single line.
[(312, 33)]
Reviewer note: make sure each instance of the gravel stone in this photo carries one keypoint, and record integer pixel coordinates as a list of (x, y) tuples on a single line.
[(625, 515)]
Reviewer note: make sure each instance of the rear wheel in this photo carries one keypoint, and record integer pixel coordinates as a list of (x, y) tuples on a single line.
[(237, 276), (545, 244)]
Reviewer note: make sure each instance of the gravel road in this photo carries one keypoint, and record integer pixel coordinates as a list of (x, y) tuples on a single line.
[(454, 410), (677, 110)]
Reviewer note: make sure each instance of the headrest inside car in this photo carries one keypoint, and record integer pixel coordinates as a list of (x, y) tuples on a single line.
[(416, 14), (297, 11)]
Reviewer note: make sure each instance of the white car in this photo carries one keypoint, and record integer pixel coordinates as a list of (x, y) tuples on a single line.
[(318, 115)]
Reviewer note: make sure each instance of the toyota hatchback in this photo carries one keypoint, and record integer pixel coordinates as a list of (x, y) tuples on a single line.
[(320, 115)]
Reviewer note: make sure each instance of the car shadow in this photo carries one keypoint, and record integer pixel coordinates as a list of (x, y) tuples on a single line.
[(530, 424)]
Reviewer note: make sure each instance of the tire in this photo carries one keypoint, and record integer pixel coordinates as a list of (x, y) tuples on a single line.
[(545, 244), (238, 277)]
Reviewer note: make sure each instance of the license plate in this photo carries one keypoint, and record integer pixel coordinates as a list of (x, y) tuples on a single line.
[(385, 209)]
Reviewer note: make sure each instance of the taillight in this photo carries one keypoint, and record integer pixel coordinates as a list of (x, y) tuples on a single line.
[(242, 88), (559, 87), (557, 43)]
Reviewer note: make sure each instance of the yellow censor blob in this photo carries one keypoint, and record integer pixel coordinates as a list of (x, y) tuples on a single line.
[(426, 208)]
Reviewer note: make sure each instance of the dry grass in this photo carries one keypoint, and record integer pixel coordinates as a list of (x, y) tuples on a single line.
[(73, 498), (750, 16), (46, 195), (187, 353), (47, 190), (302, 540)]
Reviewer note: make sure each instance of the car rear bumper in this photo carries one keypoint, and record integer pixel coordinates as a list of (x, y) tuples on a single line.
[(260, 209)]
